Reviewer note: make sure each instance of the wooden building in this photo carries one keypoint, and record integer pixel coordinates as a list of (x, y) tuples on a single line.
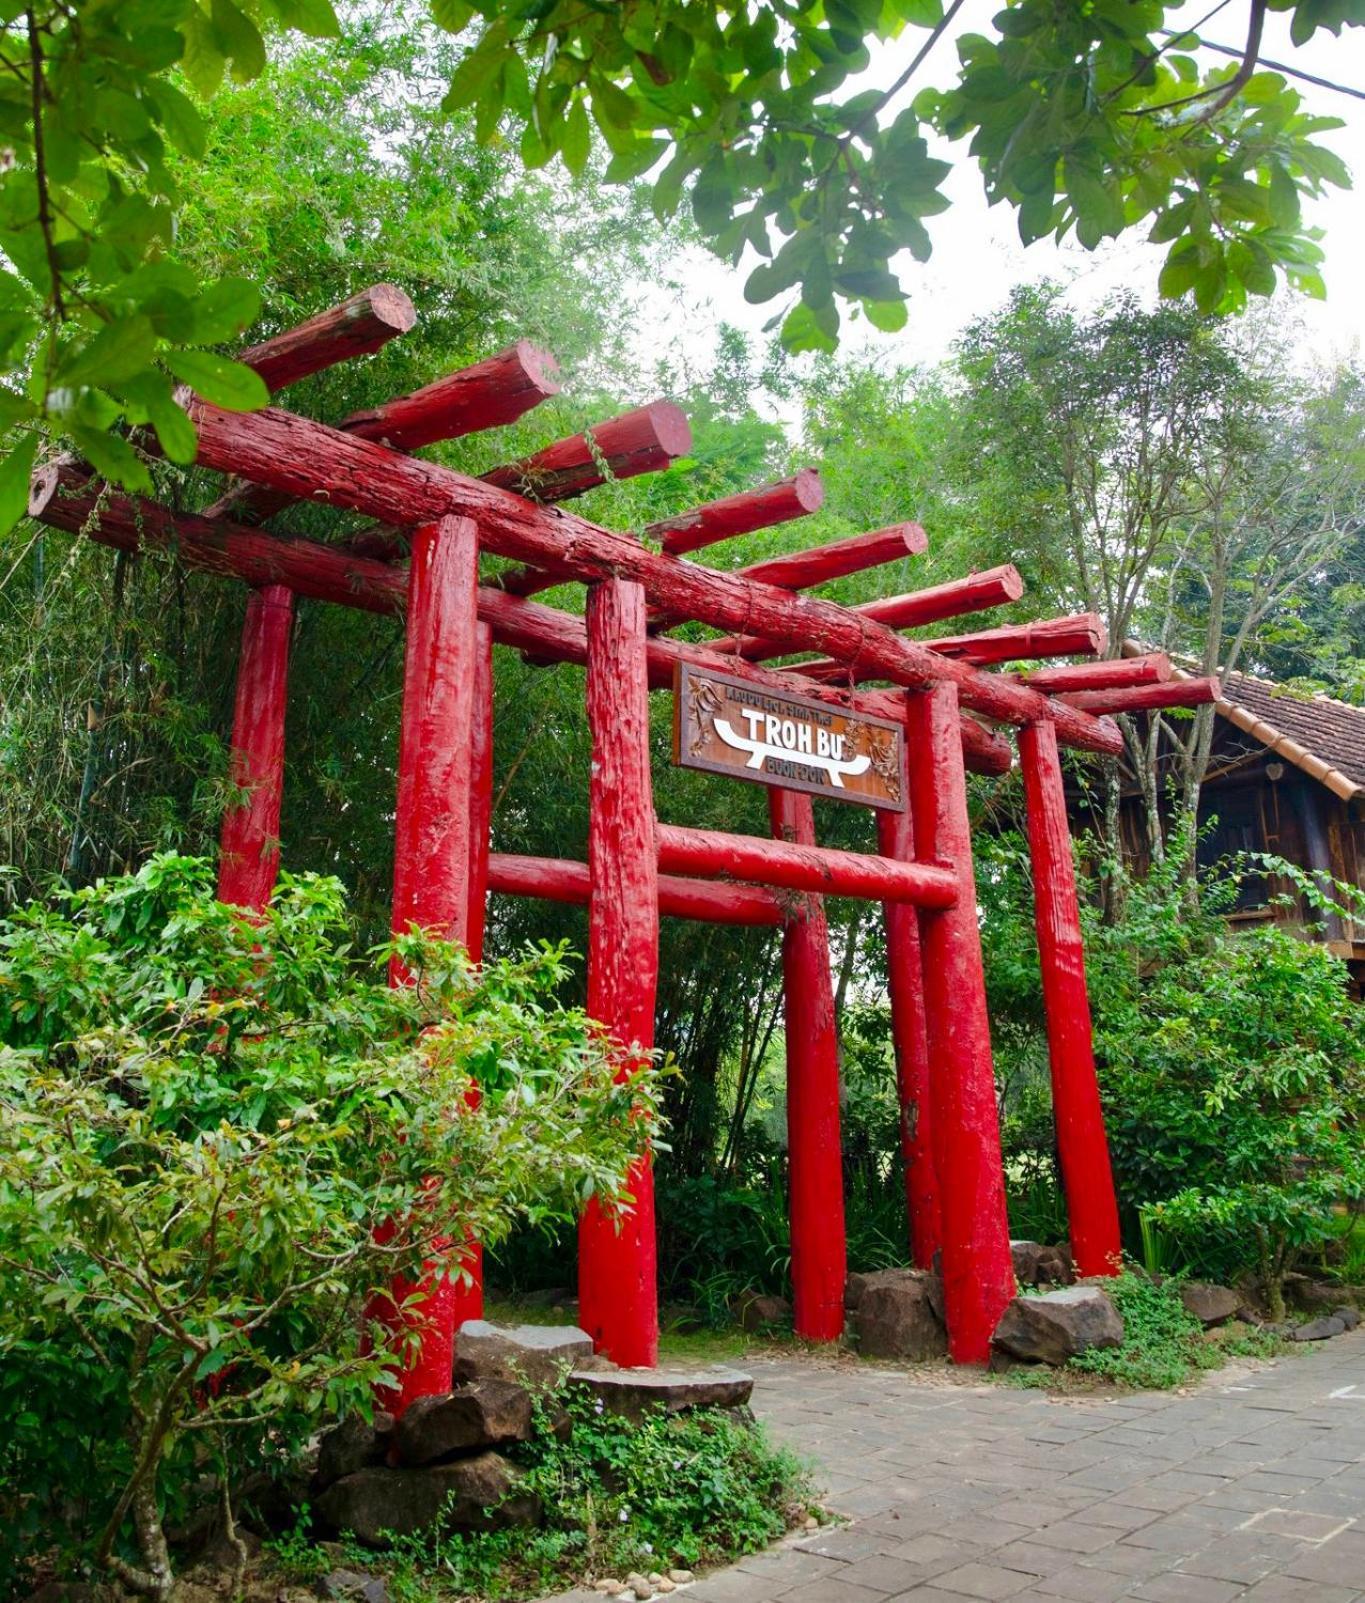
[(1286, 776)]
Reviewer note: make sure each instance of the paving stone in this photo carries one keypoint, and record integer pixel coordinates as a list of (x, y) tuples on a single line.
[(933, 1554), (1300, 1523), (1289, 1589), (1245, 1556), (832, 1589), (1179, 1588), (977, 1579), (1034, 1558), (1085, 1584), (1074, 1536), (882, 1573), (1338, 1562)]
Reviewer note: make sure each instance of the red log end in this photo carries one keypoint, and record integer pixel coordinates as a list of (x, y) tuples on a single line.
[(42, 487), (1011, 581), (387, 304), (540, 368), (916, 540), (809, 489), (671, 429)]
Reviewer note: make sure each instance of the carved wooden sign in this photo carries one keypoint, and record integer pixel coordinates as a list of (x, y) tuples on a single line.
[(730, 726)]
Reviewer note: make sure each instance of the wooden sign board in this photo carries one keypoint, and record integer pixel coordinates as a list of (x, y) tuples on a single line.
[(730, 726)]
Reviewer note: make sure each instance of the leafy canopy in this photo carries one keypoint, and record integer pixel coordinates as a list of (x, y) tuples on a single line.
[(1087, 118)]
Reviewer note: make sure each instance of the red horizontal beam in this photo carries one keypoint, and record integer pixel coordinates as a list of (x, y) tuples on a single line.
[(642, 441), (804, 868), (356, 327), (496, 391), (1081, 635), (1052, 637), (733, 515), (839, 558), (65, 495), (992, 588), (488, 395), (1148, 698), (309, 460), (803, 570), (1121, 673), (557, 879)]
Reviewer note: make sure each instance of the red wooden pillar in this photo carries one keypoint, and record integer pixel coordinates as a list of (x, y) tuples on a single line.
[(909, 1036), (978, 1275), (617, 1261), (431, 864), (814, 1154), (249, 855), (481, 793), (1081, 1145)]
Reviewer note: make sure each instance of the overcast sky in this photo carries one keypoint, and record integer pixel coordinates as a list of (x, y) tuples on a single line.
[(977, 255)]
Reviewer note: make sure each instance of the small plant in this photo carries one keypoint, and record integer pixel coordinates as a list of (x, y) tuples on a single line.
[(675, 1489), (1164, 1345)]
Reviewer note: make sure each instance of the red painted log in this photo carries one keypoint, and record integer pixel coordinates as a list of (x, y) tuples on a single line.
[(802, 570), (1121, 673), (978, 1273), (1082, 1151), (480, 793), (814, 1153), (617, 1262), (488, 395), (66, 496), (356, 327), (910, 1041), (431, 871), (726, 519), (734, 515), (1083, 635), (642, 441), (1149, 698), (308, 459), (555, 879), (432, 827), (978, 591), (710, 853), (1051, 637), (249, 852)]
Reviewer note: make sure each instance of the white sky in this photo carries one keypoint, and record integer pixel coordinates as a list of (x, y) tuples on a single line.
[(977, 254)]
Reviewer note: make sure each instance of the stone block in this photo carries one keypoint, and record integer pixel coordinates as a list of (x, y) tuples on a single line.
[(470, 1494), (1210, 1304), (353, 1444), (538, 1356), (895, 1317), (633, 1393), (1058, 1326), (488, 1413)]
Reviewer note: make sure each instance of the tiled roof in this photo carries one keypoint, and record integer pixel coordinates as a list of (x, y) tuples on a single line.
[(1324, 737)]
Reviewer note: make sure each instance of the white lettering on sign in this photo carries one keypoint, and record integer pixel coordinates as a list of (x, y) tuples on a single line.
[(782, 737)]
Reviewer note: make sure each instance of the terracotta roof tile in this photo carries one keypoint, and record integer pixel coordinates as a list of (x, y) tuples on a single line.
[(1333, 731)]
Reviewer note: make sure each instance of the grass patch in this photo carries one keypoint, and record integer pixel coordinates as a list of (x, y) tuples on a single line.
[(686, 1490), (1164, 1345)]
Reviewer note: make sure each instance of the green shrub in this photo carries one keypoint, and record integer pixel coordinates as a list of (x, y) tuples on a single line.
[(678, 1489), (1164, 1345), (204, 1118)]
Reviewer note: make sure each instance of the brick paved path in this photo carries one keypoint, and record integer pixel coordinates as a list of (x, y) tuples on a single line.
[(1253, 1487)]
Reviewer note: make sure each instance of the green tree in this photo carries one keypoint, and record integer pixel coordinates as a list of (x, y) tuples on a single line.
[(207, 1118), (1086, 119)]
